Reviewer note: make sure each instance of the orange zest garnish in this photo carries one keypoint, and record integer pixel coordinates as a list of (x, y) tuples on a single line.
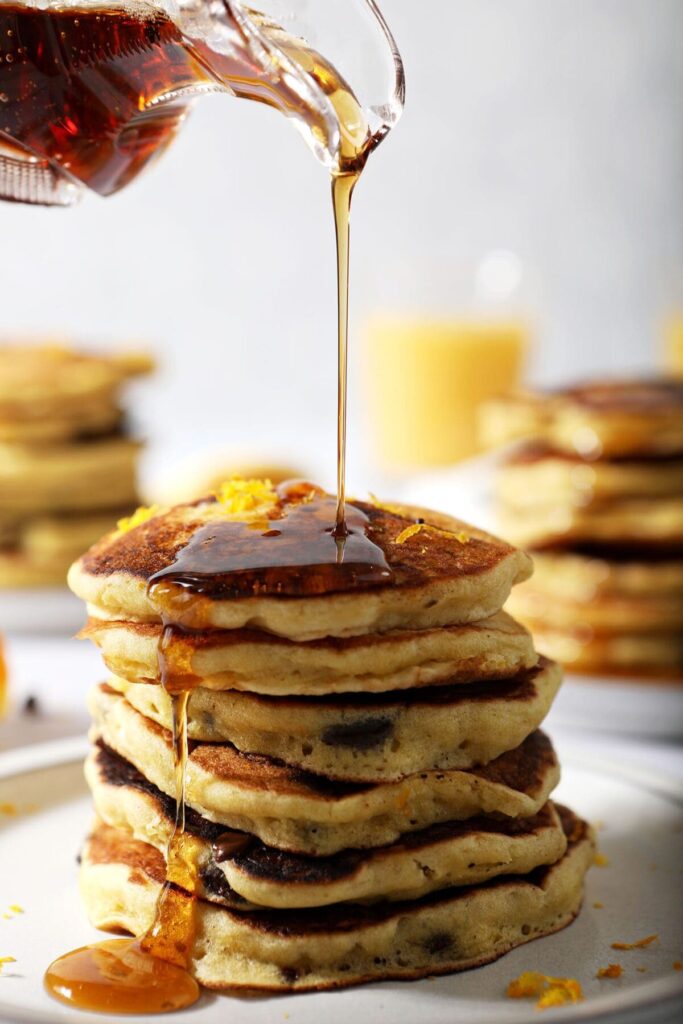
[(600, 860), (414, 528), (6, 960), (546, 990), (598, 905), (141, 515), (8, 809), (238, 496), (640, 944), (612, 971)]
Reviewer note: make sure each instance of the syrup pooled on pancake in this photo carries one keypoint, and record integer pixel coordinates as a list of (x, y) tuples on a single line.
[(293, 551)]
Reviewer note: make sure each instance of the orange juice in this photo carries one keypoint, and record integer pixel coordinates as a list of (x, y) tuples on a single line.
[(3, 680), (425, 380), (673, 351)]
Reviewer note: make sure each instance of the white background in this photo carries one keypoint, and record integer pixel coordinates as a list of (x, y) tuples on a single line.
[(549, 127)]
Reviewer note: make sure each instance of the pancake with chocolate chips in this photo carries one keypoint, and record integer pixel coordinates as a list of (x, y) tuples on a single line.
[(367, 737), (298, 950), (250, 659), (239, 870), (599, 419), (268, 560), (308, 813)]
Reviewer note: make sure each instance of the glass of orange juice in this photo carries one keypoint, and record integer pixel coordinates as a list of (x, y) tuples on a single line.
[(673, 350), (427, 367)]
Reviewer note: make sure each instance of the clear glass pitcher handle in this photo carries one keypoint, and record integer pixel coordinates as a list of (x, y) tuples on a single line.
[(353, 38)]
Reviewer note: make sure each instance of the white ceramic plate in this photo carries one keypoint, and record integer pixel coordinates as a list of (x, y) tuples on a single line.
[(641, 834)]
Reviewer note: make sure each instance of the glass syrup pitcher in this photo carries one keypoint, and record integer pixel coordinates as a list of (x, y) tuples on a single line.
[(92, 90)]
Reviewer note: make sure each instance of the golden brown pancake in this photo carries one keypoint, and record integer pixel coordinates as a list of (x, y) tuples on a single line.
[(84, 475), (308, 813), (366, 737), (436, 572), (239, 871), (596, 419), (603, 614), (51, 392), (348, 944), (658, 655), (644, 523), (589, 572), (250, 659), (535, 474)]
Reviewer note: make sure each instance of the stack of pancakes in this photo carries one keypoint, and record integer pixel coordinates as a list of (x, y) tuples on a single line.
[(367, 789), (595, 490), (67, 468)]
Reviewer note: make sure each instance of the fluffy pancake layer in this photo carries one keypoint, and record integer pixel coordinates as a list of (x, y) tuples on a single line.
[(648, 654), (53, 393), (644, 522), (248, 659), (534, 474), (451, 853), (582, 574), (366, 737), (66, 477), (608, 613), (447, 574), (451, 930), (597, 419), (307, 813)]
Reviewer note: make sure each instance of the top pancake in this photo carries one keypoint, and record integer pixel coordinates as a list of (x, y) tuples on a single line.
[(438, 573), (52, 393), (597, 419)]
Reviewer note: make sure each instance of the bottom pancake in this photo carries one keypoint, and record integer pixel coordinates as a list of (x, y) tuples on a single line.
[(284, 951)]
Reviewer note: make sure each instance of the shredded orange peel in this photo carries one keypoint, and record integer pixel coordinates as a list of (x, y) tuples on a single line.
[(547, 991), (600, 860), (640, 944), (611, 971), (141, 515), (238, 496), (6, 960), (415, 528)]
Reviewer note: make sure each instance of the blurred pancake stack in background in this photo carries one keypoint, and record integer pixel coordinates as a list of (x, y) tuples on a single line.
[(67, 464), (594, 489), (367, 790)]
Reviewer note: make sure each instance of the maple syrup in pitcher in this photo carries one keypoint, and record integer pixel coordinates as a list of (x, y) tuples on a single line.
[(79, 89)]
